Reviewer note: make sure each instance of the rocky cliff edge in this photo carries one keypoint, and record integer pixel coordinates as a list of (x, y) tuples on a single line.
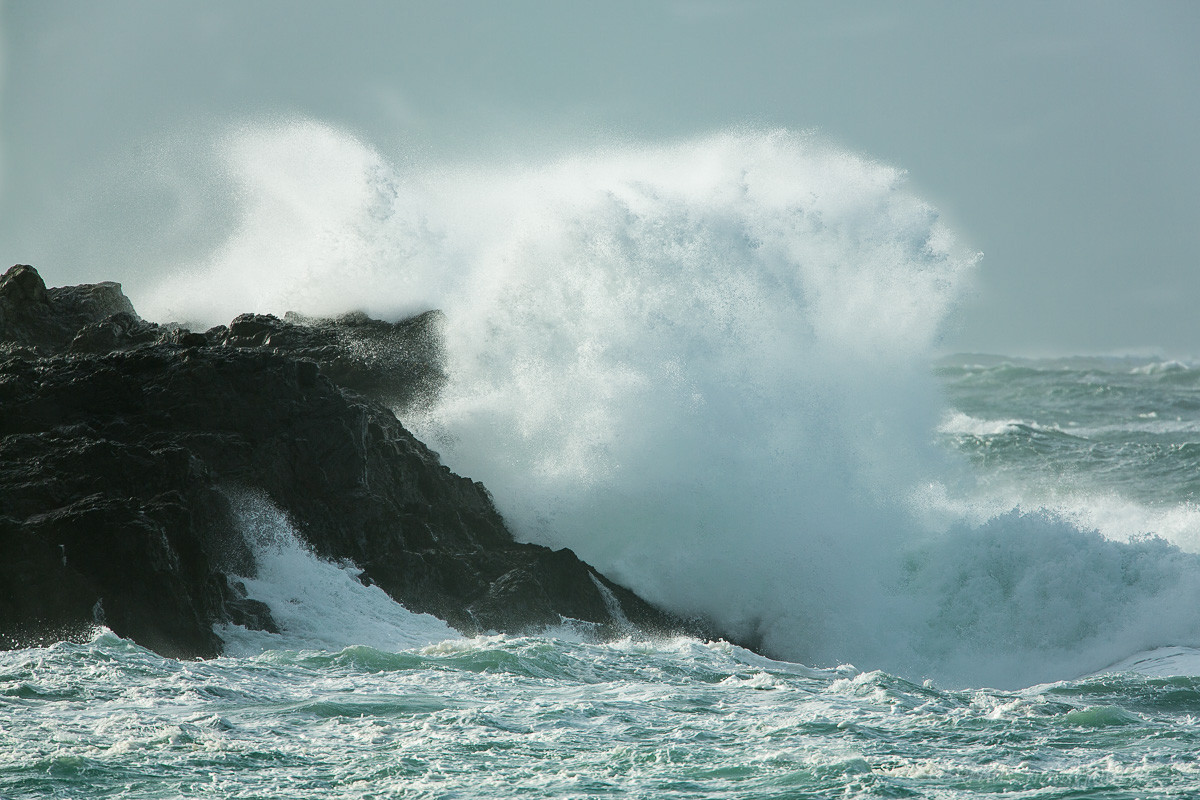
[(123, 444)]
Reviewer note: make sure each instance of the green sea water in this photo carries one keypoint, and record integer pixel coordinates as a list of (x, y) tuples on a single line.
[(1115, 439), (548, 717)]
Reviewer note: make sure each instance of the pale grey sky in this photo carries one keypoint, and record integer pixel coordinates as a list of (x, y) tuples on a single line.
[(1059, 138)]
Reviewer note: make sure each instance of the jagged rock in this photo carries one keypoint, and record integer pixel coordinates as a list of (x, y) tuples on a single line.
[(399, 363), (115, 466), (119, 331), (46, 320)]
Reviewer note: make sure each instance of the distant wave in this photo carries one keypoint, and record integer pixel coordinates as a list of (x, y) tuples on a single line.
[(1160, 367), (959, 424), (956, 423)]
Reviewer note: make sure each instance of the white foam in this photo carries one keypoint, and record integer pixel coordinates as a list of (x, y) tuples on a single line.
[(318, 605), (1105, 512), (957, 423), (1160, 367)]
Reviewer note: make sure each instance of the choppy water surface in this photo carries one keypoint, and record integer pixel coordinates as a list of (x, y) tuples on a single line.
[(498, 717), (1114, 440)]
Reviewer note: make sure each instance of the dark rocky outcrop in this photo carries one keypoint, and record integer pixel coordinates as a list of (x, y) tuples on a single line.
[(121, 442), (47, 320), (396, 362)]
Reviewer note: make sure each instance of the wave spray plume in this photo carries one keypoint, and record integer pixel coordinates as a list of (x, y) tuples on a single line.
[(704, 367)]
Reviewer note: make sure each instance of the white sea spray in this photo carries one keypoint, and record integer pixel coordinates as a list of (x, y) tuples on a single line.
[(317, 604), (704, 366)]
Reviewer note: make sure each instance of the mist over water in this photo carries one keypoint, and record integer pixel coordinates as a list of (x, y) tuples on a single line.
[(704, 366)]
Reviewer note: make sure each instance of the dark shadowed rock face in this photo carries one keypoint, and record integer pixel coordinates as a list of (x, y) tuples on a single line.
[(119, 439), (47, 320)]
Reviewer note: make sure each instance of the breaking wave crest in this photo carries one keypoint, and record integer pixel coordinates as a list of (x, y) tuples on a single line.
[(703, 366)]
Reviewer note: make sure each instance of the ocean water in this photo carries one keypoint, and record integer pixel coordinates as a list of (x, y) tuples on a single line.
[(553, 717), (710, 367)]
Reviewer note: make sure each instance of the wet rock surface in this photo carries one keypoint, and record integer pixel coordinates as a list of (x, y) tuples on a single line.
[(121, 442)]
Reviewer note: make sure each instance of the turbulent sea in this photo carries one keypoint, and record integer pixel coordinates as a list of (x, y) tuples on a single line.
[(708, 367)]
